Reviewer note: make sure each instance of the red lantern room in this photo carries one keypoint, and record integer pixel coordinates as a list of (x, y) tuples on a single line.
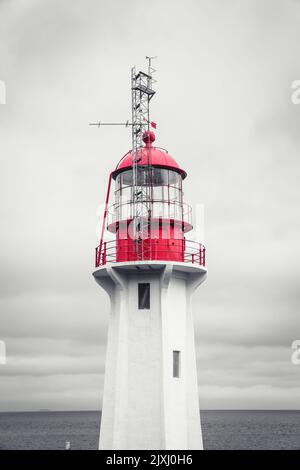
[(148, 217)]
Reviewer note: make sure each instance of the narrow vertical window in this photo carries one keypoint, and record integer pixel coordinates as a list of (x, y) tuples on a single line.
[(144, 295), (176, 363)]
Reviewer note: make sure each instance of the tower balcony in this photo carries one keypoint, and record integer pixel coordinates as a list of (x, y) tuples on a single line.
[(150, 249)]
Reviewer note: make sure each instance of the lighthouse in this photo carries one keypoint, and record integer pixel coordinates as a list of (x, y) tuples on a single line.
[(149, 268)]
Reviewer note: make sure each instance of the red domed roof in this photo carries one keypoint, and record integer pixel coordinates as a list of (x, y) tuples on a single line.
[(149, 156)]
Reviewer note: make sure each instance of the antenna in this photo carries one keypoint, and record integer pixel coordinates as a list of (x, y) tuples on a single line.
[(141, 94), (126, 124), (143, 83), (151, 70)]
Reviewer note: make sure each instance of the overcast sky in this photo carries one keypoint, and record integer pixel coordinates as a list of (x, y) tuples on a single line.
[(223, 109)]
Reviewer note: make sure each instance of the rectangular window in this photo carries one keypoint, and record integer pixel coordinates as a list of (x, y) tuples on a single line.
[(144, 295), (176, 364)]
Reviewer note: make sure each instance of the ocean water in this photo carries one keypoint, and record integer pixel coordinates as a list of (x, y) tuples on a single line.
[(221, 430)]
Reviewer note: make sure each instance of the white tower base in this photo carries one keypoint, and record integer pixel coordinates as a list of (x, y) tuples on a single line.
[(144, 405)]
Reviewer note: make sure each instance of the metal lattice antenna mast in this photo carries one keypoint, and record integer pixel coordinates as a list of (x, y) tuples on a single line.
[(142, 93), (141, 197)]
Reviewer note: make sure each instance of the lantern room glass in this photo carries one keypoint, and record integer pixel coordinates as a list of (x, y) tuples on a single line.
[(161, 190)]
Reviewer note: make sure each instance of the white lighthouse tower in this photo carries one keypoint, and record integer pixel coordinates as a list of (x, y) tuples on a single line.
[(150, 271)]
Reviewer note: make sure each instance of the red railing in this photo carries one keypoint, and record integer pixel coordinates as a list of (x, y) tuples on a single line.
[(186, 251)]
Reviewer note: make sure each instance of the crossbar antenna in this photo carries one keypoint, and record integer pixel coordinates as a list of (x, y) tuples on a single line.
[(98, 124)]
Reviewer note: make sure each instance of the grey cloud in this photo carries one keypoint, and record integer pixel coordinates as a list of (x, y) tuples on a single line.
[(224, 112)]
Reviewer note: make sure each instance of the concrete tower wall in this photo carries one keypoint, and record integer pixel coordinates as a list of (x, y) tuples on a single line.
[(144, 406)]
